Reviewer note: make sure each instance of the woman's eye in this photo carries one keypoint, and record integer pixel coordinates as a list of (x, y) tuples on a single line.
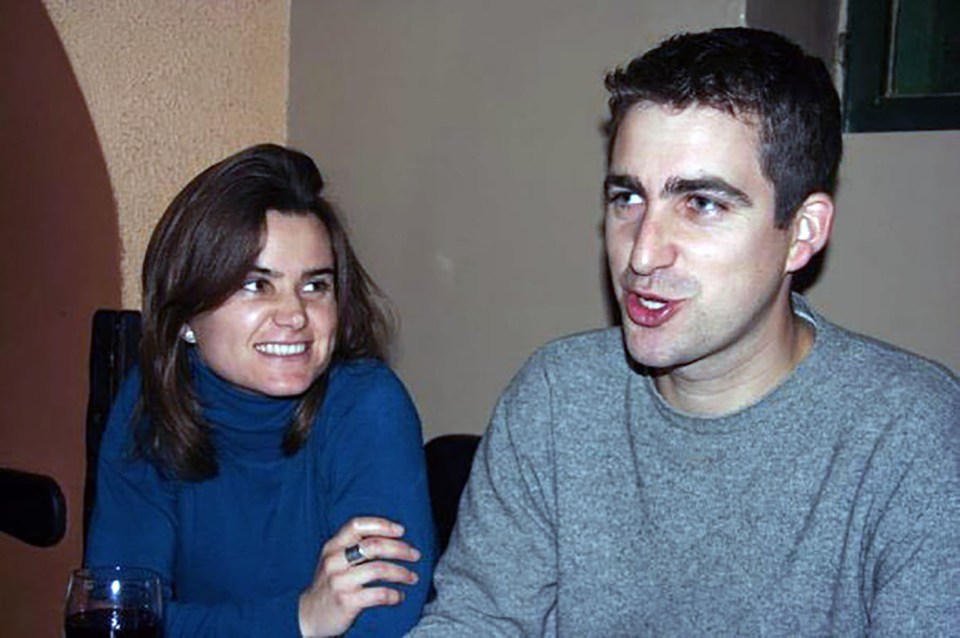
[(254, 285), (318, 285)]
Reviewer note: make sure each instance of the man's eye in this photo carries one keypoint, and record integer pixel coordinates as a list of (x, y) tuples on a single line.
[(624, 198), (706, 205)]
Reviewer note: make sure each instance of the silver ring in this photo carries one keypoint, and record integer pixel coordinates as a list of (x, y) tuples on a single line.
[(354, 554)]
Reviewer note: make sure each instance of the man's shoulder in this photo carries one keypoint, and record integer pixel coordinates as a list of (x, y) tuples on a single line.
[(600, 348), (577, 370), (874, 382), (876, 362)]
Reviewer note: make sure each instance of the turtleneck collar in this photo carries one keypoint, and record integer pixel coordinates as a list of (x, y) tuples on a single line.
[(244, 424)]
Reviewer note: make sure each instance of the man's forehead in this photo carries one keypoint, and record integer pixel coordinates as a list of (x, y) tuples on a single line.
[(634, 121), (748, 118)]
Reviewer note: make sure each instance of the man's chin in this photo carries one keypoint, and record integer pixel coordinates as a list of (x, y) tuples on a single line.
[(655, 352)]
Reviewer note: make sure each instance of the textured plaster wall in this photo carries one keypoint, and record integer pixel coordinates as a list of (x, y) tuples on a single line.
[(172, 87)]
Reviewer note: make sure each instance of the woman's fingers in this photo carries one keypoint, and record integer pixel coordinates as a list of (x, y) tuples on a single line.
[(360, 575), (376, 596), (353, 595), (373, 550), (364, 539), (376, 547), (356, 556), (358, 528)]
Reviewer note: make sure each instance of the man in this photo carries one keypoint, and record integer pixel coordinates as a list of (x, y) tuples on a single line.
[(728, 462)]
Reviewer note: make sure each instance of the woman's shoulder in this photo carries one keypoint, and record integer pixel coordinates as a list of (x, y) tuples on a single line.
[(365, 384), (361, 376), (366, 395), (119, 431)]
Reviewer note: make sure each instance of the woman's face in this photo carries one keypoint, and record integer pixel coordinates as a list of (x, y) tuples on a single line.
[(276, 334)]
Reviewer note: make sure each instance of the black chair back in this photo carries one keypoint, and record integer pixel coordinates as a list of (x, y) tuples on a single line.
[(32, 508), (449, 459), (114, 347)]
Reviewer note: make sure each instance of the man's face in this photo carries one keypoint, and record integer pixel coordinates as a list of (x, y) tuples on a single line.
[(697, 263)]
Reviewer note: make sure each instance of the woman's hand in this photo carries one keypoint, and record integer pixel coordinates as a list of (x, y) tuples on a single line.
[(329, 606)]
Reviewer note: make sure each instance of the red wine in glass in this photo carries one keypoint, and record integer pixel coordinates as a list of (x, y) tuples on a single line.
[(113, 602), (112, 623)]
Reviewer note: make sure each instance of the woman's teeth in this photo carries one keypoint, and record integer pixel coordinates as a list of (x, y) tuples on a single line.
[(281, 349)]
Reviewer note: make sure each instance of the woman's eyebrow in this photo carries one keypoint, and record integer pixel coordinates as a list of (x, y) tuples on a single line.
[(276, 274), (260, 270), (317, 272)]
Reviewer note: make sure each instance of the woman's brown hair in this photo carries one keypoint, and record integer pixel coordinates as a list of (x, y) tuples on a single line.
[(200, 253)]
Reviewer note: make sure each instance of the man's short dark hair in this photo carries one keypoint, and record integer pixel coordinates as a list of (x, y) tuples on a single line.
[(754, 75)]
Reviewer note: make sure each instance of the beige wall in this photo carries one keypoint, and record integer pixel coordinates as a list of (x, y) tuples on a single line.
[(172, 87), (892, 269), (461, 140)]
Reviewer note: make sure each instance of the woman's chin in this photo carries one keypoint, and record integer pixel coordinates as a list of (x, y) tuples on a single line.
[(282, 387)]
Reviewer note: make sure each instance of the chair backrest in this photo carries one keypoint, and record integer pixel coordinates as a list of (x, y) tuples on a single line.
[(32, 508), (114, 347), (449, 459)]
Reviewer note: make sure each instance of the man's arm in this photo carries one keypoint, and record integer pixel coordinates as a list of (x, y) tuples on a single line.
[(498, 575), (911, 582)]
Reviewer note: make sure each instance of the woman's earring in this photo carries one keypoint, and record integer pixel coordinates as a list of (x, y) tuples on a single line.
[(187, 335)]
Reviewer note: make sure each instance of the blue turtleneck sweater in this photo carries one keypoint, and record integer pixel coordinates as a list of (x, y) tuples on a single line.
[(238, 549)]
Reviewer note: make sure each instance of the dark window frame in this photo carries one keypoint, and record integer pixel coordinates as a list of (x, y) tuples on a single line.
[(866, 105)]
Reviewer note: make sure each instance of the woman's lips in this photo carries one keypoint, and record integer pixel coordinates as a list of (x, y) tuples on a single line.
[(281, 349), (650, 311)]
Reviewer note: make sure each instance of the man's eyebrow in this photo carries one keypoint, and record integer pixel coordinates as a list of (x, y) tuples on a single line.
[(626, 182), (710, 184)]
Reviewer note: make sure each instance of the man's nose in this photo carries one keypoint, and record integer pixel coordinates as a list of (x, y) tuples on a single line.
[(653, 246), (290, 312)]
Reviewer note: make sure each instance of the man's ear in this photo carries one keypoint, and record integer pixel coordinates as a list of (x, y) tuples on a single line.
[(809, 230)]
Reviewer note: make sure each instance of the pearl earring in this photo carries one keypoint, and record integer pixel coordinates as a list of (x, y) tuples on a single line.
[(187, 335)]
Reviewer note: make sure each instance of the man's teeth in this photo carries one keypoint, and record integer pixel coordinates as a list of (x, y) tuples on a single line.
[(281, 349), (651, 304)]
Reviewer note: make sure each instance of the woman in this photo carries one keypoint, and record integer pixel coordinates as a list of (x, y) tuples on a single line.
[(263, 459)]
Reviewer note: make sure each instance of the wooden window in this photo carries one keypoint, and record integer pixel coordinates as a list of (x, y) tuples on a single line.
[(902, 68)]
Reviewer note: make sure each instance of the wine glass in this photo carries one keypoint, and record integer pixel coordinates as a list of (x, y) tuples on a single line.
[(113, 602)]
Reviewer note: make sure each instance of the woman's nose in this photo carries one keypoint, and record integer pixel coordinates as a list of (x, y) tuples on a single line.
[(291, 313)]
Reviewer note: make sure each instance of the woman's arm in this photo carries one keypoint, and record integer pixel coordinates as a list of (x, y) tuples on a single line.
[(376, 468)]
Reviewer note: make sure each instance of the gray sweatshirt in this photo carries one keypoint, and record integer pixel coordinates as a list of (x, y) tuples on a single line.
[(831, 507)]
